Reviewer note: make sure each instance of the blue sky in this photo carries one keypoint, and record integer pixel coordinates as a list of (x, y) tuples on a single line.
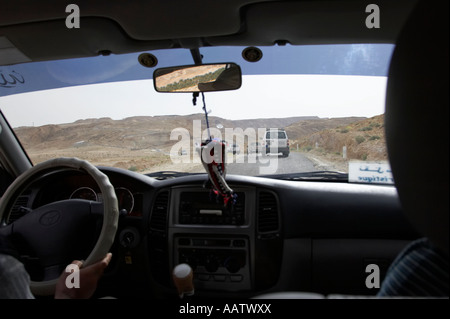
[(335, 81), (355, 59)]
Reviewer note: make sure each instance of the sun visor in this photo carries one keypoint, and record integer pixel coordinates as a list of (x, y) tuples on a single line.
[(9, 54)]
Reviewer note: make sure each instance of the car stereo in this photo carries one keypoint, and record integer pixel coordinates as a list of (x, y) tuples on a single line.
[(205, 208)]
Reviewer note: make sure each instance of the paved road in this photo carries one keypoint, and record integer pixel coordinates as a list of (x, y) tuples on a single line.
[(271, 164)]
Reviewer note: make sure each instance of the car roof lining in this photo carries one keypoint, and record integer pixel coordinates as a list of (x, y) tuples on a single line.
[(104, 27)]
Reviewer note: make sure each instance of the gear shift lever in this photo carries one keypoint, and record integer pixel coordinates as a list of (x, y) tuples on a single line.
[(183, 278)]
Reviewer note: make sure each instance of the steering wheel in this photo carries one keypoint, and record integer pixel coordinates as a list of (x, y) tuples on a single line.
[(47, 228)]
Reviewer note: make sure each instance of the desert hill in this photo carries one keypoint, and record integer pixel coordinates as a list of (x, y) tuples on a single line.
[(153, 131), (302, 128), (364, 140), (144, 142)]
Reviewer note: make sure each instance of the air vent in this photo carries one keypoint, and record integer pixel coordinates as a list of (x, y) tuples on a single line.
[(158, 220), (239, 206), (268, 219), (19, 208)]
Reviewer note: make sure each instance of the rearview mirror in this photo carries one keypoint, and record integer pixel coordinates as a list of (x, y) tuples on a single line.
[(198, 78)]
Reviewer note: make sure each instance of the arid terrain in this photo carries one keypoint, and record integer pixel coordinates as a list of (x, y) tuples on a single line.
[(360, 140), (144, 143)]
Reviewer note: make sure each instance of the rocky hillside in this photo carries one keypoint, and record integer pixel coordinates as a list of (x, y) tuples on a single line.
[(364, 140), (143, 143), (148, 132), (303, 128)]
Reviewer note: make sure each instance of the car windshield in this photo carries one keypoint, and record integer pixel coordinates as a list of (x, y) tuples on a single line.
[(272, 134), (327, 101)]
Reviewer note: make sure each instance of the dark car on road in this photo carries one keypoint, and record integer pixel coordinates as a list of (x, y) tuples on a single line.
[(235, 149)]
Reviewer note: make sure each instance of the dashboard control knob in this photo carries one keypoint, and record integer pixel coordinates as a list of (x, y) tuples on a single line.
[(232, 264), (211, 264)]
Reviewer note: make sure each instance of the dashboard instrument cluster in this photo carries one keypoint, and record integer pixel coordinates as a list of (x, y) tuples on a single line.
[(125, 198)]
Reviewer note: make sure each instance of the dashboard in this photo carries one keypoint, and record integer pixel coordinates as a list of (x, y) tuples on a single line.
[(77, 185), (125, 198), (278, 235)]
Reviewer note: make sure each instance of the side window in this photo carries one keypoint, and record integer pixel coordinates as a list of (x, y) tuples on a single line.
[(5, 180)]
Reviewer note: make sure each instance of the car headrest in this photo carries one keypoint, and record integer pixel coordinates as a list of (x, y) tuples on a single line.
[(417, 120)]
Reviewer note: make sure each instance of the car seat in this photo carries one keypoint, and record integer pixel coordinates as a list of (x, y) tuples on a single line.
[(417, 138)]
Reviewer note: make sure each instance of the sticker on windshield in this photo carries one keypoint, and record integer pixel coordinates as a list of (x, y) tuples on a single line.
[(9, 79), (370, 172)]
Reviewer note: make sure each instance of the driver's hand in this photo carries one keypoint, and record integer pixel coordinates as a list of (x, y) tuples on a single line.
[(88, 280)]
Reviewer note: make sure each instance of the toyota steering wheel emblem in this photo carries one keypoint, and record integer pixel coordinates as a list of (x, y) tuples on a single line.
[(50, 218)]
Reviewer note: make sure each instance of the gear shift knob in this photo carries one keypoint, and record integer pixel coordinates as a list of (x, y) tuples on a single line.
[(183, 278)]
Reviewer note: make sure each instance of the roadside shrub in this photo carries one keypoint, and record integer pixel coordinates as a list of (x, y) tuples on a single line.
[(366, 128), (133, 168), (374, 137), (359, 139), (344, 130)]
